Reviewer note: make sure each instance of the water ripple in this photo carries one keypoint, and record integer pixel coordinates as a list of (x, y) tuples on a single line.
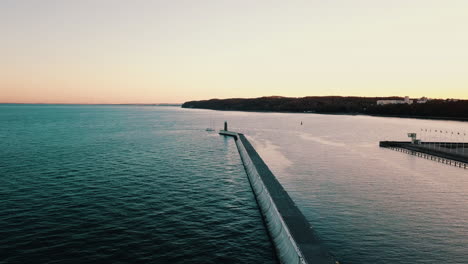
[(122, 186)]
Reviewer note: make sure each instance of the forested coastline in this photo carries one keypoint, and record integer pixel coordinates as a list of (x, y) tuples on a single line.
[(437, 108)]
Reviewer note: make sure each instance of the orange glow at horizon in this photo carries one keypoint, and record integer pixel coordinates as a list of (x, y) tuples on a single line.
[(171, 52)]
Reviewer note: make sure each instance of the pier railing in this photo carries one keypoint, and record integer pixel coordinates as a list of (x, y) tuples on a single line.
[(437, 151)]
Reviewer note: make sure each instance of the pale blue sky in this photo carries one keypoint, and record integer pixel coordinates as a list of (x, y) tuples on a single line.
[(172, 51)]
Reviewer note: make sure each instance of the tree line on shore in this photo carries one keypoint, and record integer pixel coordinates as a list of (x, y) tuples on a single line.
[(437, 108)]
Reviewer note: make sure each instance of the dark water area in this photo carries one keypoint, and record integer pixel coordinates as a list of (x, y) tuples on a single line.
[(133, 184), (113, 184)]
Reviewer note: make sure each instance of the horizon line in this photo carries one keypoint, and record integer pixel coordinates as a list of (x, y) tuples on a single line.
[(154, 104), (179, 104)]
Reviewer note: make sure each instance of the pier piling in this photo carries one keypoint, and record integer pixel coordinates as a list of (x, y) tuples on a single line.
[(423, 149)]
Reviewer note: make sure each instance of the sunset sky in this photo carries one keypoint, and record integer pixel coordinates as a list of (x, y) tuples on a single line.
[(119, 51)]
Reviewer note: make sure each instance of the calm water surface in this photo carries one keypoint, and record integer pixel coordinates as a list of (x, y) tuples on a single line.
[(368, 204), (149, 184), (101, 184)]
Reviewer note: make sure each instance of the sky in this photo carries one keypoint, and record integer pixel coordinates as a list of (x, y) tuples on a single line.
[(172, 51)]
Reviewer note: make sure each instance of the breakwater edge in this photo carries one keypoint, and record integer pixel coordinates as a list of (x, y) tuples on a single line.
[(291, 234)]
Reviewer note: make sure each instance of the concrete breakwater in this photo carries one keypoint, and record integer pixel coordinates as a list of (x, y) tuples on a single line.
[(289, 230)]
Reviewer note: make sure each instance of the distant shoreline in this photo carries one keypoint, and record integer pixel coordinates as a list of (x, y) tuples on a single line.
[(89, 104), (435, 109), (442, 118)]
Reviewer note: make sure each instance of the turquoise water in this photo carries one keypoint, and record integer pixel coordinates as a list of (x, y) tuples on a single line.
[(105, 184), (117, 184)]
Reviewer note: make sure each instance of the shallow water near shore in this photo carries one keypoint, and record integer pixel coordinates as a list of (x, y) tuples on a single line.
[(146, 184)]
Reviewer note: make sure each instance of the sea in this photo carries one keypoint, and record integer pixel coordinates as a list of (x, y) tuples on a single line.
[(149, 184)]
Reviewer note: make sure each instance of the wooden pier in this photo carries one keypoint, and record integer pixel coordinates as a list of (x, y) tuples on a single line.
[(450, 153)]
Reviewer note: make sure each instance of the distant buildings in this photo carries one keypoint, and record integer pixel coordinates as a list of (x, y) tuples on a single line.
[(407, 100), (423, 100), (387, 102)]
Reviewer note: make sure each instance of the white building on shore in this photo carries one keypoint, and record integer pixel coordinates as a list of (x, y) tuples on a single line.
[(387, 102), (407, 100), (423, 100)]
